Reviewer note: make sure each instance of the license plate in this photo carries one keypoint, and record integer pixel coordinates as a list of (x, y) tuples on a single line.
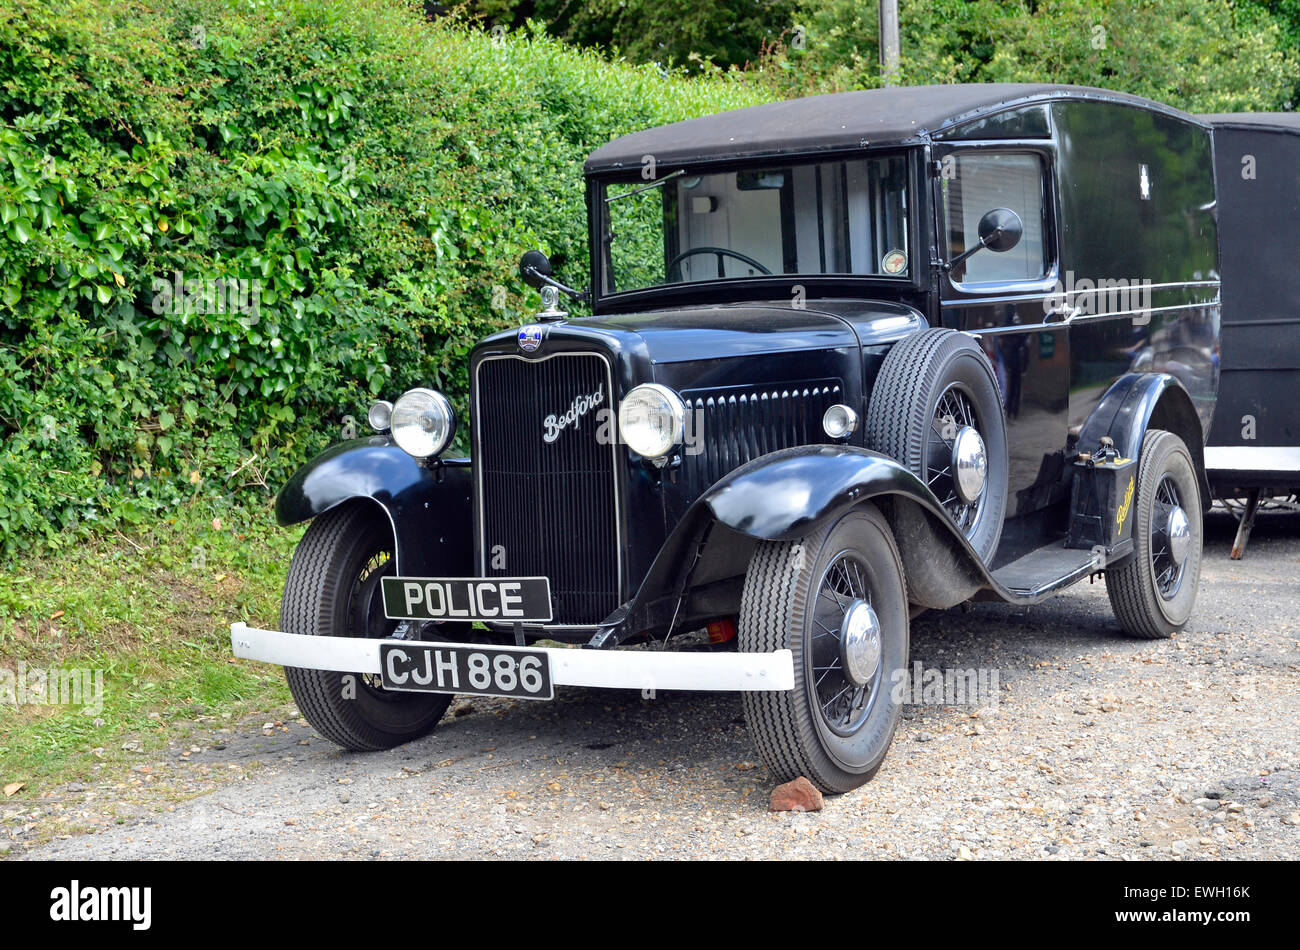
[(466, 668), (483, 599)]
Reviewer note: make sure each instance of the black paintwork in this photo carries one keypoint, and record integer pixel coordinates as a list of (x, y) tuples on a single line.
[(428, 504), (1113, 371)]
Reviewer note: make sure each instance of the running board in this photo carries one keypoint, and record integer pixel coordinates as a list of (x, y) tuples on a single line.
[(1045, 570)]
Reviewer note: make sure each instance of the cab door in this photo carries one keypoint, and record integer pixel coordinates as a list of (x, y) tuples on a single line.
[(1007, 300)]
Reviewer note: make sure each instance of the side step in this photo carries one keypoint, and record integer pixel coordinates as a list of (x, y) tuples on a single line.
[(1033, 576)]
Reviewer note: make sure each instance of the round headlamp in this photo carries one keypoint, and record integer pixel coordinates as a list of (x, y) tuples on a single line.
[(651, 419), (380, 415), (422, 422)]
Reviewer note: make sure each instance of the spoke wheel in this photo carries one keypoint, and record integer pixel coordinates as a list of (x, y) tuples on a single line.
[(844, 699), (366, 613), (837, 601), (954, 414), (1167, 569), (1154, 590)]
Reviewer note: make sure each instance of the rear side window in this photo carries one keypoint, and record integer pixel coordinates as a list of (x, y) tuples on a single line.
[(975, 183)]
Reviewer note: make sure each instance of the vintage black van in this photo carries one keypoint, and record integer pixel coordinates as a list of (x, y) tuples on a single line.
[(849, 357), (1253, 451)]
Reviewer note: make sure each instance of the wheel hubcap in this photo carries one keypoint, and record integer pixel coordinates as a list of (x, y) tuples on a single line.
[(860, 642), (970, 463), (846, 645), (1171, 538), (956, 463), (1180, 535)]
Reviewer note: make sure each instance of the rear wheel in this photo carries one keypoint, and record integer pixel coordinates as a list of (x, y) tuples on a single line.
[(1153, 592), (333, 590), (837, 600)]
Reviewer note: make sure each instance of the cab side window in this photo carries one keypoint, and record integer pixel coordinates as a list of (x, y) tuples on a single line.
[(974, 183)]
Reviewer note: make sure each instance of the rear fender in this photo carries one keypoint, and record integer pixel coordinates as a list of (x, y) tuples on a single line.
[(1140, 401), (427, 503)]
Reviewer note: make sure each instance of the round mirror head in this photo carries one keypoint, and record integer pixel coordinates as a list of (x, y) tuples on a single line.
[(531, 265), (1001, 229)]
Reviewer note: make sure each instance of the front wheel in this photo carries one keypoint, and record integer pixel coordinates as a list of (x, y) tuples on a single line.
[(333, 590), (837, 600), (1152, 593)]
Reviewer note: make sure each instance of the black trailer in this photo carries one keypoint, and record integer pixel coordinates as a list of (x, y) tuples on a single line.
[(1253, 452)]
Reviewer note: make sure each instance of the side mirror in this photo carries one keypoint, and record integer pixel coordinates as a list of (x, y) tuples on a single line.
[(535, 269), (534, 266), (1001, 229)]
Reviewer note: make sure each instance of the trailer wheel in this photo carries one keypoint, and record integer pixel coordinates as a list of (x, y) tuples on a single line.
[(333, 590), (1152, 593), (936, 408), (837, 600)]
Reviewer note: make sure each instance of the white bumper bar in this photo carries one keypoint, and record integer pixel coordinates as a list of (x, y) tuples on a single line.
[(616, 669)]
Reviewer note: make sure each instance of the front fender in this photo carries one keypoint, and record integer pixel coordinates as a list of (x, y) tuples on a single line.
[(784, 495), (428, 504)]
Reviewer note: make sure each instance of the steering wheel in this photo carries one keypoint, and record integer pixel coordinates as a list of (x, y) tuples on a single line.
[(675, 264)]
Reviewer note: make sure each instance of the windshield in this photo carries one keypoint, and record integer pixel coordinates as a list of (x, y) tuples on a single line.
[(814, 218)]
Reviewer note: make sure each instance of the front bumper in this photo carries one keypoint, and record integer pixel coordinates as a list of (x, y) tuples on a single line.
[(614, 669)]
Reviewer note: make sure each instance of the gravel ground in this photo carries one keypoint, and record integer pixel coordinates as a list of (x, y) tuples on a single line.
[(1099, 746)]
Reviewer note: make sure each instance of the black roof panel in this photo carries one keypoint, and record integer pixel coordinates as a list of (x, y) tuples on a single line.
[(843, 120), (1280, 121)]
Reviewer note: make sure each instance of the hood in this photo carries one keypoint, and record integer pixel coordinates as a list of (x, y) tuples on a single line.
[(689, 334)]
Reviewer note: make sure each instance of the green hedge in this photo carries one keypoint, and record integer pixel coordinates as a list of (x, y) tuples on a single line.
[(225, 226)]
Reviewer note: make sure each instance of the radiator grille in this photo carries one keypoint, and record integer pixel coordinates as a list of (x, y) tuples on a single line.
[(737, 424), (548, 508)]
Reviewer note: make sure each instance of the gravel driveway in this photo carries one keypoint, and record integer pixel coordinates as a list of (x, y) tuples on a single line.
[(1099, 746)]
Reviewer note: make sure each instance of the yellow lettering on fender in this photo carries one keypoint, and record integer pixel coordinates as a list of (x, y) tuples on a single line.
[(1123, 511)]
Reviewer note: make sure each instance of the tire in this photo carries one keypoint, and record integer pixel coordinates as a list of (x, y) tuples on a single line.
[(932, 384), (792, 732), (1147, 601), (333, 591)]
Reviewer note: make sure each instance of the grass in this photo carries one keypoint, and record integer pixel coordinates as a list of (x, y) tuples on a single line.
[(152, 612)]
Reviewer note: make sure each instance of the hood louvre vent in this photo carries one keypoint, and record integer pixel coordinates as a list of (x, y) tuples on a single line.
[(737, 424)]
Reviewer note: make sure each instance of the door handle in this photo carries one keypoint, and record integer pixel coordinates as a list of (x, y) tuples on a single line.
[(1062, 314)]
